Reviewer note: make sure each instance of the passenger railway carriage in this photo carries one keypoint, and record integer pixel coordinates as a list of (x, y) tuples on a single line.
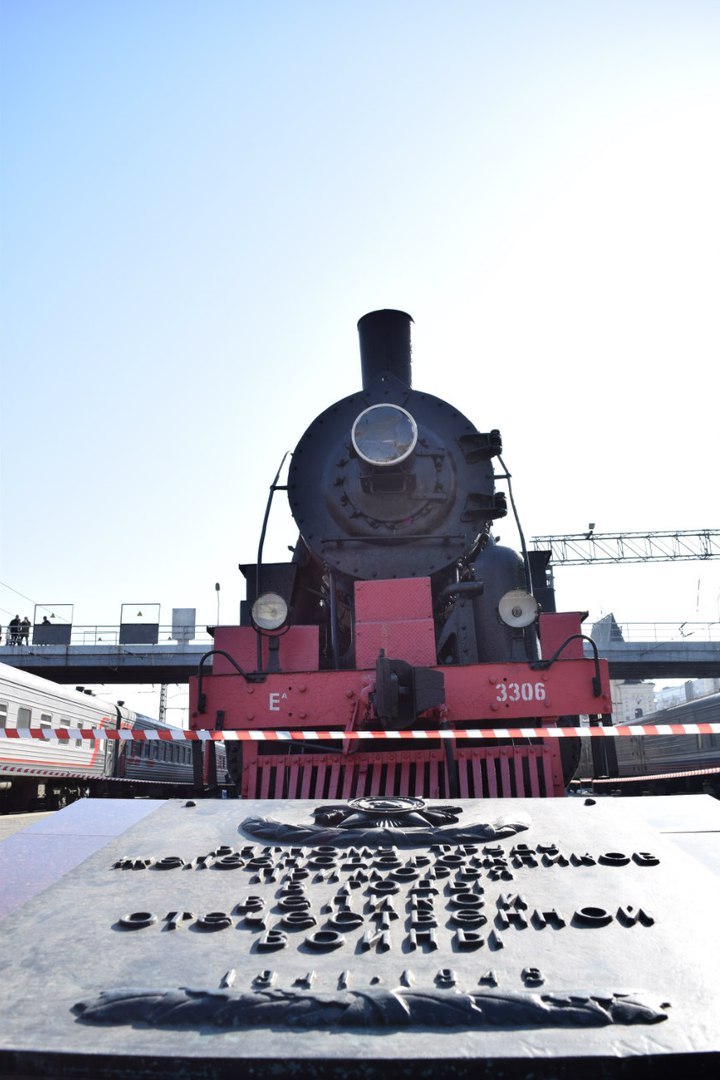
[(660, 764), (51, 773)]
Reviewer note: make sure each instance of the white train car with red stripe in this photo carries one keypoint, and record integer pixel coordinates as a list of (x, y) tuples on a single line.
[(36, 771)]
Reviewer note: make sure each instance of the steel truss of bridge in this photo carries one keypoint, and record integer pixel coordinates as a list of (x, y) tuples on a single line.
[(591, 547)]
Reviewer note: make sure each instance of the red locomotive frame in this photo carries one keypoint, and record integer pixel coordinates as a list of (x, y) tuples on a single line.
[(393, 617)]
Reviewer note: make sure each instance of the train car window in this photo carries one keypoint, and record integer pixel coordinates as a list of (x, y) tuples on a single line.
[(66, 722), (24, 717), (3, 713), (45, 720)]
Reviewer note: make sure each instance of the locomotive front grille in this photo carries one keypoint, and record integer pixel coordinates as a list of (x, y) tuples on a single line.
[(520, 771), (508, 772)]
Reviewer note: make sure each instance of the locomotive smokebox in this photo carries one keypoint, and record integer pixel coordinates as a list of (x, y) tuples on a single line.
[(391, 482), (385, 345)]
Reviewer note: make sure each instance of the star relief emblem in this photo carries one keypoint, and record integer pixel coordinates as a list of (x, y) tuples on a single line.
[(386, 812)]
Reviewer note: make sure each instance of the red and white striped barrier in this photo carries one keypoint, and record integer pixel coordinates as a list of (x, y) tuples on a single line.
[(277, 735), (645, 777)]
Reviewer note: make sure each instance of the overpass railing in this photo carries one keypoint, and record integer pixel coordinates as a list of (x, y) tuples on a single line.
[(85, 636), (668, 631), (635, 631)]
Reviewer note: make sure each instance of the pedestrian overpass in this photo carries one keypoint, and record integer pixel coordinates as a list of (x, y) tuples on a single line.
[(95, 654)]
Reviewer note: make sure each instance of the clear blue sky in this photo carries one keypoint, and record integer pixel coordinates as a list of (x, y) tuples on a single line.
[(199, 200)]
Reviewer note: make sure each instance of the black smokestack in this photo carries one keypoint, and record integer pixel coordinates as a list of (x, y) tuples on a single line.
[(385, 345)]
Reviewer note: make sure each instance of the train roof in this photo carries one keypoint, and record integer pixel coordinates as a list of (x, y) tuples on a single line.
[(142, 721), (699, 710), (11, 674), (18, 677)]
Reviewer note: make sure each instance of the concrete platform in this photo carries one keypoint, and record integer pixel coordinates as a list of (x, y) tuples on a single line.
[(15, 823)]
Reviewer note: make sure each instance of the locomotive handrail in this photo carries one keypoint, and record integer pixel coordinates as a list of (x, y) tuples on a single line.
[(543, 665), (521, 534), (252, 677), (388, 539), (258, 569), (460, 588)]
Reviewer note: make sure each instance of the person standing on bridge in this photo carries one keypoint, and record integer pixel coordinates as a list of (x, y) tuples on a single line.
[(24, 631), (13, 631)]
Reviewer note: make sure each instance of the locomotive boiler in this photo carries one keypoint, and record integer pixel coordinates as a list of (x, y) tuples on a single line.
[(399, 621)]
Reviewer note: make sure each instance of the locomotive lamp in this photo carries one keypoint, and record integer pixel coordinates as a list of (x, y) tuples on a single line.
[(384, 435), (269, 612), (518, 609)]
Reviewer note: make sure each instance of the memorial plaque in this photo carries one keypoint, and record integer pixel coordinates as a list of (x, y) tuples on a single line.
[(496, 937)]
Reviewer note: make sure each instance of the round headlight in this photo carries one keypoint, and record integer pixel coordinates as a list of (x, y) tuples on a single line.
[(518, 608), (269, 611), (384, 434)]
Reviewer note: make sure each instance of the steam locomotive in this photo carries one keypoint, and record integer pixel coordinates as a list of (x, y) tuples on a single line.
[(398, 615)]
